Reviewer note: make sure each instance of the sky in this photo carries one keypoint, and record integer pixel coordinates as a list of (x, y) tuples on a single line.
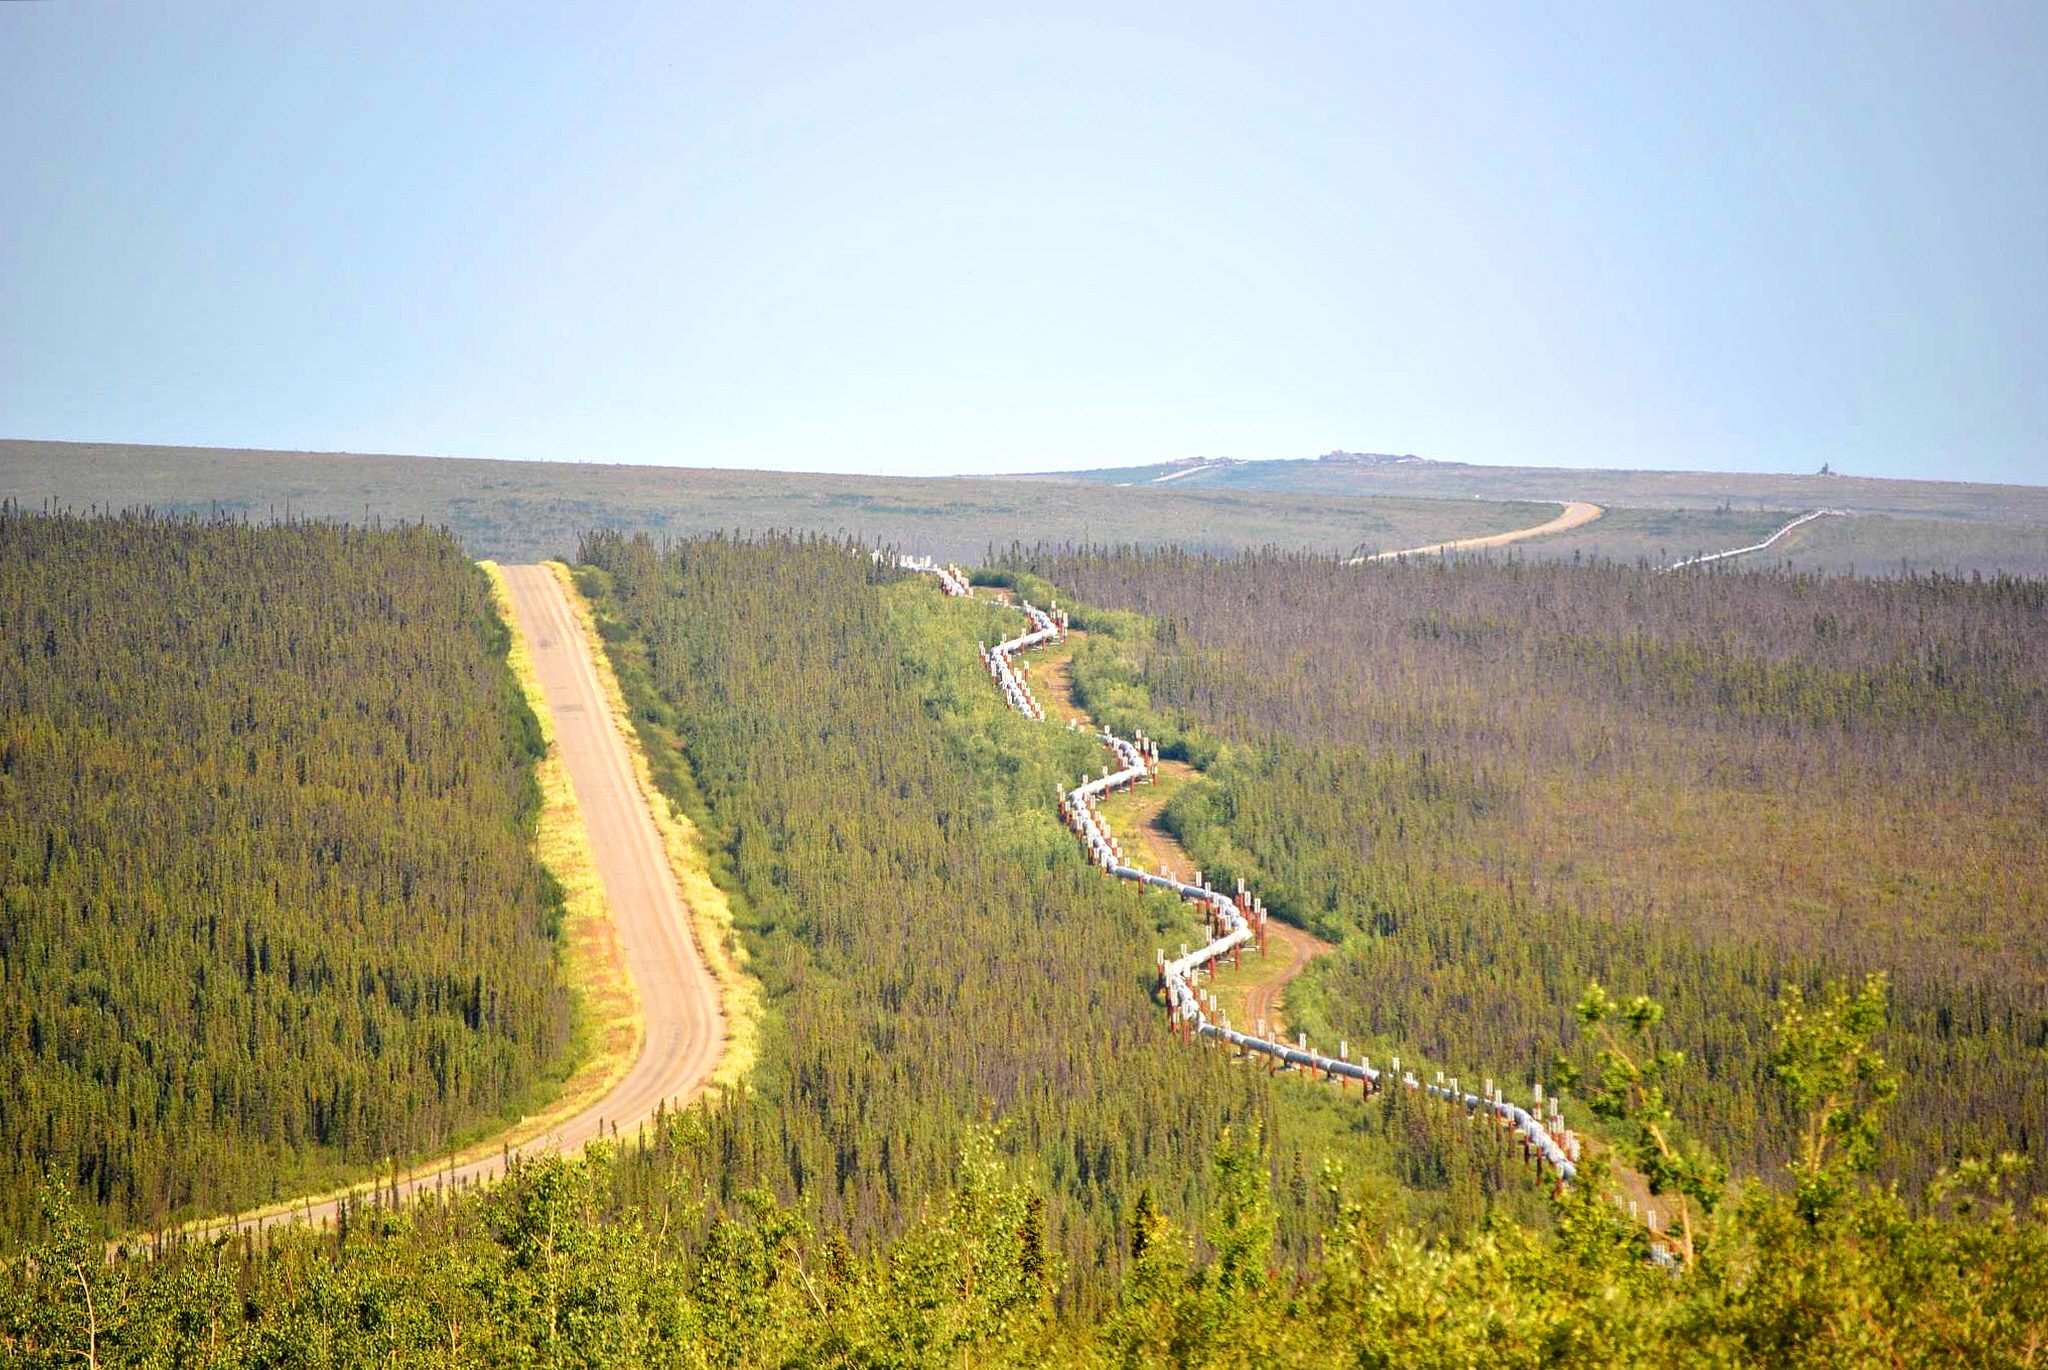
[(937, 239)]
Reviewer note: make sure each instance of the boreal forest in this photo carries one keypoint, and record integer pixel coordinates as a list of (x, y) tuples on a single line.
[(1496, 781), (1790, 825), (271, 910)]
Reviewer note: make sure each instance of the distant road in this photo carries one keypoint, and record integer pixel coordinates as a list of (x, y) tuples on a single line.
[(1180, 475), (685, 1030), (1575, 513)]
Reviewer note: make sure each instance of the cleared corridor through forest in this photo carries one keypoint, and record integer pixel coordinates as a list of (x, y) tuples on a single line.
[(685, 1029), (1233, 922)]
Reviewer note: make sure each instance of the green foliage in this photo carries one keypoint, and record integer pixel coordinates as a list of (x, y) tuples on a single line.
[(1632, 1092), (931, 943), (59, 1284), (1177, 1312), (270, 910), (557, 1268), (558, 1291), (1492, 783), (1834, 1274), (1829, 1063), (729, 1235)]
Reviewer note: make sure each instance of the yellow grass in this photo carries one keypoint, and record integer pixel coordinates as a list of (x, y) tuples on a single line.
[(717, 940), (610, 1025), (1234, 987)]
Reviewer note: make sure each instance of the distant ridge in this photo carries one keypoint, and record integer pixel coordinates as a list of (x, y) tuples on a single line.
[(1340, 457), (1341, 471), (1342, 503)]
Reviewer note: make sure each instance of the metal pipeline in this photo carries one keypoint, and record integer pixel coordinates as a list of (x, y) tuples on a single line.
[(951, 578), (1184, 1004)]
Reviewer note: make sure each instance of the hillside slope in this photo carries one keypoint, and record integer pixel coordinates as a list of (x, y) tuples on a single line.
[(271, 911), (1418, 478), (1495, 782)]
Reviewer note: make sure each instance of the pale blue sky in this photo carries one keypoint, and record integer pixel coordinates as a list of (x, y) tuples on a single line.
[(960, 238)]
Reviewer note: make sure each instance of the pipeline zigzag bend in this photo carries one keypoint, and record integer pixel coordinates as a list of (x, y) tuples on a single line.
[(1233, 920)]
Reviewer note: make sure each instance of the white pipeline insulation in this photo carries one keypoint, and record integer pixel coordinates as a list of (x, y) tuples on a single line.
[(1234, 920)]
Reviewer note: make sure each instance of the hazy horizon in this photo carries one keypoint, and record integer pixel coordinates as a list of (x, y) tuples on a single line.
[(796, 238), (655, 464)]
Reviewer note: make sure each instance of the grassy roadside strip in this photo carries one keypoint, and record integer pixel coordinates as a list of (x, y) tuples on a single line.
[(610, 1025), (710, 914)]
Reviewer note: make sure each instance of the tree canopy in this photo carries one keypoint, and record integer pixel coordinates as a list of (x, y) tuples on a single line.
[(271, 913)]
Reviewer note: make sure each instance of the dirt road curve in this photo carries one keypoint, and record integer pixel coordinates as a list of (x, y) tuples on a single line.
[(1263, 1002), (1575, 513), (685, 1032)]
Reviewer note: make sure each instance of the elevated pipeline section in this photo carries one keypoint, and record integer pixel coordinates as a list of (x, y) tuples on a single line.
[(1234, 920), (1802, 520)]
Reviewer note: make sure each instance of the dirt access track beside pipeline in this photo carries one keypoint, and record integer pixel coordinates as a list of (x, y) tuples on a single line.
[(1263, 981), (685, 1029)]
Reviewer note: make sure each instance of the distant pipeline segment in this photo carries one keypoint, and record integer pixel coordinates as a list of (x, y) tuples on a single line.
[(1803, 519)]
